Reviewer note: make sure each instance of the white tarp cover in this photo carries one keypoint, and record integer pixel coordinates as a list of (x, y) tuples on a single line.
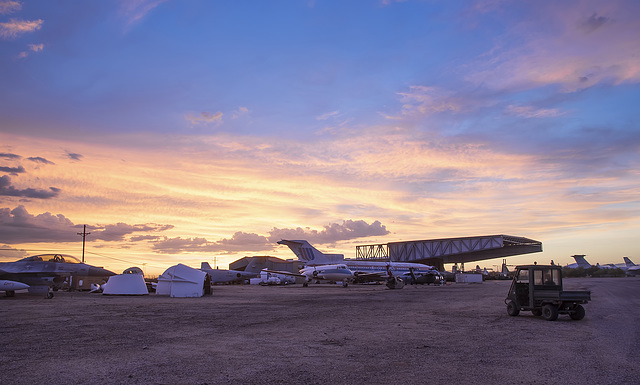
[(125, 284), (181, 281)]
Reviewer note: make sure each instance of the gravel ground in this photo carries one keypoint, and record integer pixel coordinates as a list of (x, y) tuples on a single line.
[(364, 334)]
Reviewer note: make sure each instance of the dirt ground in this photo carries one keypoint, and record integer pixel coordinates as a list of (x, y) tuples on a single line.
[(367, 334)]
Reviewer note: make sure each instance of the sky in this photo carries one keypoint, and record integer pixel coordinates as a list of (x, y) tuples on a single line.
[(189, 131)]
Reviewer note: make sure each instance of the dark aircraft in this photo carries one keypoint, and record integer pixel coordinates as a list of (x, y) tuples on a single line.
[(46, 271)]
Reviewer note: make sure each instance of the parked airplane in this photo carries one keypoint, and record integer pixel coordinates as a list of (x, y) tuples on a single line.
[(580, 262), (10, 287), (227, 276), (632, 268), (362, 271), (46, 271)]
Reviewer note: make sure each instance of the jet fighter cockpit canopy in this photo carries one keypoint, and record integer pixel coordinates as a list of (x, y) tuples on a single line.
[(62, 258)]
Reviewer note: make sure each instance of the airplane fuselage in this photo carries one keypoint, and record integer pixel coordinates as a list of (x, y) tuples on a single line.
[(387, 269), (337, 273)]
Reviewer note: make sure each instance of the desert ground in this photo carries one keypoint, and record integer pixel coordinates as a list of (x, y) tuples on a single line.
[(363, 334)]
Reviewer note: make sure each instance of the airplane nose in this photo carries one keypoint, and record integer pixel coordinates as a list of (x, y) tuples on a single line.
[(99, 272)]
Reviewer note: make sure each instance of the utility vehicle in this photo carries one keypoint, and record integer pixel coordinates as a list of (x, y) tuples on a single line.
[(538, 288)]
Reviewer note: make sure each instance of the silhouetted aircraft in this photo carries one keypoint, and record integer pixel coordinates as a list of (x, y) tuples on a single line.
[(227, 276)]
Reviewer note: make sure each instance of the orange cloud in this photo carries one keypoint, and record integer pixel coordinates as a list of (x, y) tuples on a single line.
[(8, 7), (15, 28)]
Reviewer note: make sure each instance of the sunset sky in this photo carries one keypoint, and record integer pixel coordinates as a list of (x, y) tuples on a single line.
[(202, 130)]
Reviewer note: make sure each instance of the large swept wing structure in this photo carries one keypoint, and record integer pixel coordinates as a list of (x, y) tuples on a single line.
[(437, 252)]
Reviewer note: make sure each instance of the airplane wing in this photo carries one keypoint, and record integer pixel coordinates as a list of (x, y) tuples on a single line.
[(370, 277), (285, 273)]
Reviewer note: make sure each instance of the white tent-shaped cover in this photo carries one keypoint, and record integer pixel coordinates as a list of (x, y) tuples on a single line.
[(181, 281), (129, 283)]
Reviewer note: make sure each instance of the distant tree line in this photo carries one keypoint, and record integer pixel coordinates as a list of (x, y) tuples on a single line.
[(593, 271)]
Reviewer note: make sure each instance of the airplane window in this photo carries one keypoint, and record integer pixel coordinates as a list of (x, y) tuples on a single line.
[(35, 258), (59, 258)]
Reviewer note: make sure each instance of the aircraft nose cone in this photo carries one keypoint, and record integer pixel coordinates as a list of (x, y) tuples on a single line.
[(99, 272)]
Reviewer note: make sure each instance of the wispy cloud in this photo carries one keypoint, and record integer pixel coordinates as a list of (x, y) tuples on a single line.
[(532, 112), (204, 118), (429, 100), (32, 48), (39, 159), (575, 50), (593, 22), (74, 156), (241, 111), (9, 156), (15, 28), (8, 7), (13, 170), (135, 10), (7, 189), (328, 115)]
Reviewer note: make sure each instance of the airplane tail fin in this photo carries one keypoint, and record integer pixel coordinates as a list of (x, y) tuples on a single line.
[(505, 269), (628, 262), (309, 254), (581, 261), (205, 265), (256, 265)]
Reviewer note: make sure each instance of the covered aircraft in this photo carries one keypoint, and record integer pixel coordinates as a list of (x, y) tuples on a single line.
[(46, 271)]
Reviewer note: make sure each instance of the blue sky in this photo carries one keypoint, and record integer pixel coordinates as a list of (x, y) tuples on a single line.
[(183, 130)]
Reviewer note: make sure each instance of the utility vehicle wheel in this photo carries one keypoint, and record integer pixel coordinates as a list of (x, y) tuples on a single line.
[(306, 284), (577, 313), (512, 308), (550, 312), (536, 312), (49, 295)]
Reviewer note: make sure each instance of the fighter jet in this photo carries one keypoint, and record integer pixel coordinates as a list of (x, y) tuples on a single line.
[(44, 272)]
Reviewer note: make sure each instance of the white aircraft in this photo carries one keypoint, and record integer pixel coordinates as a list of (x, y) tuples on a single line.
[(10, 287), (628, 266), (333, 265), (580, 262), (632, 268)]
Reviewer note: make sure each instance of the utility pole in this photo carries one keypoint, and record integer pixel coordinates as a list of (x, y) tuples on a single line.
[(84, 235)]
